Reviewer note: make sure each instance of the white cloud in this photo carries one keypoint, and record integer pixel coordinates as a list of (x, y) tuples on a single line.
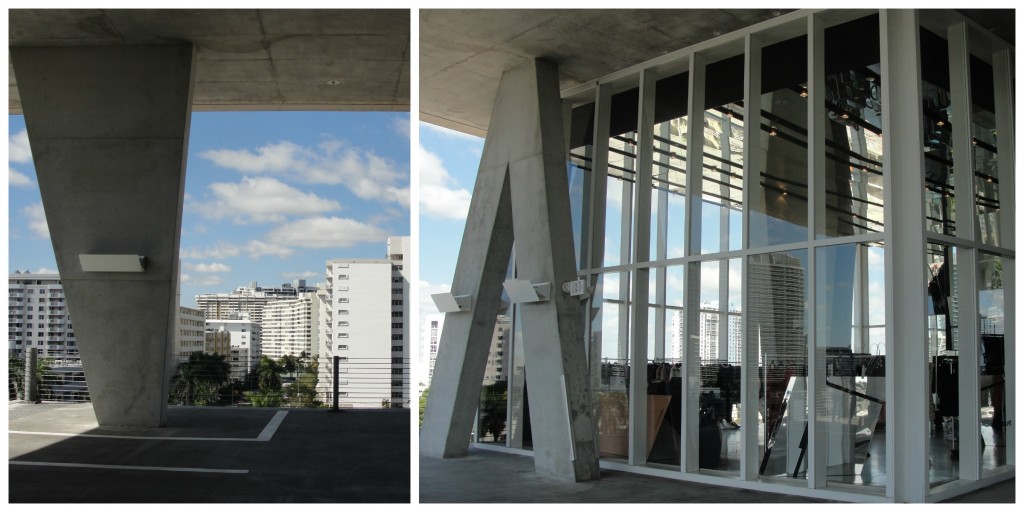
[(36, 220), (207, 281), (331, 163), (309, 274), (208, 267), (256, 249), (321, 232), (440, 194), (46, 270), (220, 251), (18, 148), (426, 304), (400, 125), (17, 179), (262, 200)]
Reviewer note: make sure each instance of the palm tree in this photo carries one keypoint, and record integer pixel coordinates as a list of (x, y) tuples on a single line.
[(269, 374), (199, 378)]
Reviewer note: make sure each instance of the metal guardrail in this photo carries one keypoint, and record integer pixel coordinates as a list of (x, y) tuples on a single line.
[(208, 380)]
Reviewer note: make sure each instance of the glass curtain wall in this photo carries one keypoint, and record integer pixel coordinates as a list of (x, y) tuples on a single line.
[(798, 287)]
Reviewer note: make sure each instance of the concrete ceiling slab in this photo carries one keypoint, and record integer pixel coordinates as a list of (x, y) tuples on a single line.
[(464, 52), (250, 59)]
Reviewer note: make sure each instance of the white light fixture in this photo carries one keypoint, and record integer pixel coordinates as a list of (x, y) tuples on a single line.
[(577, 288), (112, 262), (449, 303), (522, 291)]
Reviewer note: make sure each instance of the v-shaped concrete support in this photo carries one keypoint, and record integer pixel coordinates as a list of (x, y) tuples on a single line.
[(521, 194)]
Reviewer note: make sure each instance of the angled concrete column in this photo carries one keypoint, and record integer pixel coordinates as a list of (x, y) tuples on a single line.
[(109, 132), (521, 179)]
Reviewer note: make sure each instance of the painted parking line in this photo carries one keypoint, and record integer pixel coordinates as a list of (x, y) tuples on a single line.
[(266, 435), (130, 468), (271, 428)]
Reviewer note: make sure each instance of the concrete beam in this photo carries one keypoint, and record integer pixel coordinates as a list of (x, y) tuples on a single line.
[(108, 126)]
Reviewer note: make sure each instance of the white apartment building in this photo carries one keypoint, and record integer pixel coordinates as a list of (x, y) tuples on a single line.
[(432, 327), (37, 316), (291, 327), (251, 300), (246, 343), (364, 325), (190, 336)]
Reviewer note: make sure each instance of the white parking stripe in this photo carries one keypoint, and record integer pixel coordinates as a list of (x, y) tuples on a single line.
[(144, 438), (266, 435), (131, 468), (268, 431)]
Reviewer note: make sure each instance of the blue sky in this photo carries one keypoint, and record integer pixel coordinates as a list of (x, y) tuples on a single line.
[(448, 163), (269, 196)]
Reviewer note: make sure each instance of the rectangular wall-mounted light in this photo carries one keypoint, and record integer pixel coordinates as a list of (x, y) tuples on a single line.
[(112, 262), (521, 291), (449, 303)]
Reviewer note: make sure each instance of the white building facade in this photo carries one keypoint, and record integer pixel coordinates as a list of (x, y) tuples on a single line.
[(38, 317), (246, 344), (291, 327), (364, 326)]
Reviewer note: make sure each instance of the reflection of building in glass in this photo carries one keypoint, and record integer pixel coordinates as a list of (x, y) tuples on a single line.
[(776, 311), (497, 369)]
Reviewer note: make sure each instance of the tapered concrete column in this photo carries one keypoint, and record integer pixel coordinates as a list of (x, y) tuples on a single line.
[(522, 178), (108, 128)]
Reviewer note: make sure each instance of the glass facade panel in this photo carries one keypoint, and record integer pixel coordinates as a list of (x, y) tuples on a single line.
[(718, 385), (610, 351), (992, 375), (668, 176), (850, 344), (580, 175), (939, 188), (943, 359), (778, 202), (722, 166), (986, 164), (853, 130), (777, 324)]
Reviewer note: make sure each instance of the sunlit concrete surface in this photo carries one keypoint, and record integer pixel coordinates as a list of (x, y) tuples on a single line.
[(207, 454), (485, 476)]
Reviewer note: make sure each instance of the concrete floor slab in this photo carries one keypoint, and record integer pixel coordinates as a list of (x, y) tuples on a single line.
[(313, 456), (492, 477)]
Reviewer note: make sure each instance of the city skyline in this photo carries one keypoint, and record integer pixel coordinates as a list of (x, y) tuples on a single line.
[(269, 196)]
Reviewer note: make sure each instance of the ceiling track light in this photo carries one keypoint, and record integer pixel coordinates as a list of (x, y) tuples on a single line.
[(773, 131), (804, 93)]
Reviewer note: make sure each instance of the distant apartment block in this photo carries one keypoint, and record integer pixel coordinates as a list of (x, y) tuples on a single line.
[(190, 335), (245, 339), (251, 300), (37, 316), (364, 325), (433, 325), (291, 327)]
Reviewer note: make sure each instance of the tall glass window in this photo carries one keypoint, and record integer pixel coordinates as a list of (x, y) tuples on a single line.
[(580, 175), (983, 141), (722, 166), (943, 358), (992, 375), (668, 176), (853, 130), (939, 188), (777, 325), (711, 322), (778, 202), (610, 364), (621, 178), (850, 344)]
